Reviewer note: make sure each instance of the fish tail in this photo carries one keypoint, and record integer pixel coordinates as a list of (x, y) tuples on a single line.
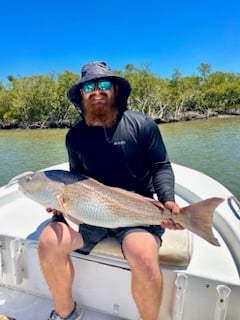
[(198, 218)]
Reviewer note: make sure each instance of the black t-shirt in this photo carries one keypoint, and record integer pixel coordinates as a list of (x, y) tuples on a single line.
[(132, 155)]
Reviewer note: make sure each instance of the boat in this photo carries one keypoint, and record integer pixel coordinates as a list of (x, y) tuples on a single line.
[(200, 281)]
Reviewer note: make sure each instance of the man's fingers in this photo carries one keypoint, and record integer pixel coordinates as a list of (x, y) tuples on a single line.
[(54, 211), (170, 224)]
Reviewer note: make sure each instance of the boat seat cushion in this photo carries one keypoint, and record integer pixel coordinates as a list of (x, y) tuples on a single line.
[(176, 249)]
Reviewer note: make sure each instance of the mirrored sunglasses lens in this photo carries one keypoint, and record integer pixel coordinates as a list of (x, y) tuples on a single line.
[(88, 86), (104, 85)]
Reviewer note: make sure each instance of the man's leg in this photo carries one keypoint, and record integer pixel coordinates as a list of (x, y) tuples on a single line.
[(55, 244), (141, 251)]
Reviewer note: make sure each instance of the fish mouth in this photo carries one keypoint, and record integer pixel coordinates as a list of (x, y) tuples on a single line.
[(11, 183), (15, 180)]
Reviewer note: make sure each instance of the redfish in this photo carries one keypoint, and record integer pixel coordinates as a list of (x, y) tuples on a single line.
[(84, 200)]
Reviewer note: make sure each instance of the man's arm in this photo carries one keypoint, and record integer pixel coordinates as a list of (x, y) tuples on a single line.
[(162, 172)]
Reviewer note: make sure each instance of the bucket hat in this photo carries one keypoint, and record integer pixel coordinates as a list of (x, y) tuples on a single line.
[(96, 70)]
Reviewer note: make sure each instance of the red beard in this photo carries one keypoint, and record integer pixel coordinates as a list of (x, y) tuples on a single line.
[(105, 116)]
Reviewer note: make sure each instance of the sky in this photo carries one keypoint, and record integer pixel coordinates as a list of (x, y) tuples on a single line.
[(41, 37)]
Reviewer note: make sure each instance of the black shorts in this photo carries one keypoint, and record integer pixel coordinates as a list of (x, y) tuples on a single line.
[(92, 234)]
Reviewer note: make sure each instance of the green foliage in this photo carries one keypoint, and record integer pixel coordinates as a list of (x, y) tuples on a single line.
[(43, 97), (63, 109)]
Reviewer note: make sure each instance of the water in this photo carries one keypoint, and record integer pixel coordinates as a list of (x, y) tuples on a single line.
[(211, 146), (30, 150)]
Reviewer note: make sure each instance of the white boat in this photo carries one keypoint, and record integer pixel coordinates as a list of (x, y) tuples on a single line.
[(201, 281)]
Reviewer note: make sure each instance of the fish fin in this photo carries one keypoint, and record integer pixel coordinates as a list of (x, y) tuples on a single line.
[(73, 223), (140, 198), (198, 218), (131, 194), (137, 196), (61, 202)]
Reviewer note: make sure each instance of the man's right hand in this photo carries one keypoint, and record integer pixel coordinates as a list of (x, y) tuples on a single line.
[(54, 211)]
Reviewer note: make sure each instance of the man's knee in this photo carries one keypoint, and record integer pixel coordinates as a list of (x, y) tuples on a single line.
[(58, 235), (55, 237), (141, 246), (142, 257)]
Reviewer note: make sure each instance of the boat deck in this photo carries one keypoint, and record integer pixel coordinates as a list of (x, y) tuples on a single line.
[(21, 306), (196, 289)]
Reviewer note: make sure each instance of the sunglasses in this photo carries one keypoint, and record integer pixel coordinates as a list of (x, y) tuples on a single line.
[(90, 86)]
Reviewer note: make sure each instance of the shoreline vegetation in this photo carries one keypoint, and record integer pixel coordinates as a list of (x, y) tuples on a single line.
[(186, 116), (40, 102)]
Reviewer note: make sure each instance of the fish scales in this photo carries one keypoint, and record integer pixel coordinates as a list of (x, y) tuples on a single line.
[(100, 205), (85, 200)]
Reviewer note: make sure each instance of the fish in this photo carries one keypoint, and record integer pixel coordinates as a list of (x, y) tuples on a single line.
[(2, 317), (82, 199)]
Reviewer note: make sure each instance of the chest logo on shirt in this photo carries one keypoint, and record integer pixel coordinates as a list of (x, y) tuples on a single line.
[(119, 143)]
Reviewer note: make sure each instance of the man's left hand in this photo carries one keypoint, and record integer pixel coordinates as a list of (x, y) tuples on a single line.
[(169, 223)]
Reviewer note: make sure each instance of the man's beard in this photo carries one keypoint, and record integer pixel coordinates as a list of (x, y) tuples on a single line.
[(100, 116)]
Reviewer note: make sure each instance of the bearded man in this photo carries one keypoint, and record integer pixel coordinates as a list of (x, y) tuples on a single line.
[(120, 148)]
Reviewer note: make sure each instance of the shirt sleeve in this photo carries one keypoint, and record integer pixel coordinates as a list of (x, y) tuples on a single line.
[(158, 161), (75, 164)]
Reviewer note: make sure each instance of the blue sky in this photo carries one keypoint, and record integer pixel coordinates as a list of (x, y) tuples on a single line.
[(39, 37)]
